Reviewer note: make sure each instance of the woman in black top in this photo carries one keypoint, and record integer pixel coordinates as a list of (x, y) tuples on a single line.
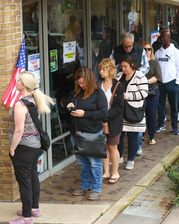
[(114, 117), (90, 109)]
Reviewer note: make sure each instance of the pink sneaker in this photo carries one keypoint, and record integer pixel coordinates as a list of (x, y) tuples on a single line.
[(22, 220), (35, 213)]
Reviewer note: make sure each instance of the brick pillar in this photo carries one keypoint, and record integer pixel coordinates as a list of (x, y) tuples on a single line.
[(10, 43)]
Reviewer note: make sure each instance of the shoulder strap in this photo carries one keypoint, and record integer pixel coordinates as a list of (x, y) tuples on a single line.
[(33, 113), (113, 93)]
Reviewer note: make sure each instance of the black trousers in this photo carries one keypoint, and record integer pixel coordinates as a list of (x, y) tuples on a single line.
[(25, 167)]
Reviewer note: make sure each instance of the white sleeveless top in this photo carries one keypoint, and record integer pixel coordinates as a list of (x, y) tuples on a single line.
[(107, 93)]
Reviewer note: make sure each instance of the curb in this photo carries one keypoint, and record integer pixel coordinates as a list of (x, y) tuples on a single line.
[(137, 189)]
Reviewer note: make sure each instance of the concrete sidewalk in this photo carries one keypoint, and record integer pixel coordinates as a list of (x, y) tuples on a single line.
[(100, 213)]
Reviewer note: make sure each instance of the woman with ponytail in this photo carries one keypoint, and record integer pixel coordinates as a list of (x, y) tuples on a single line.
[(25, 145)]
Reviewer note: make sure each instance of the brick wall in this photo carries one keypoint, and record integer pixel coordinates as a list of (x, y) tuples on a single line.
[(10, 43)]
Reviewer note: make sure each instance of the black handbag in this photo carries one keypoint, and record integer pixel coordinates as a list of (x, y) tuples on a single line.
[(151, 90), (44, 137), (133, 114), (90, 144)]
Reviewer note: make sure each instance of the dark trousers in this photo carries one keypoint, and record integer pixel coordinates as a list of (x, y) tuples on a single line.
[(27, 178), (132, 144), (151, 113), (169, 89), (178, 99)]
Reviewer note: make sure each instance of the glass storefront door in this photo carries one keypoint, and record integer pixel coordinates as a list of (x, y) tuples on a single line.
[(31, 33), (65, 20), (132, 18), (31, 14), (103, 30)]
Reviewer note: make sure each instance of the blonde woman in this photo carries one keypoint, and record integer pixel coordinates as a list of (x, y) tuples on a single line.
[(25, 146), (154, 77), (114, 118)]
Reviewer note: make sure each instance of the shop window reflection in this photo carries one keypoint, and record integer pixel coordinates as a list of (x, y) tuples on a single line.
[(31, 27), (174, 24), (103, 28), (132, 17), (64, 26)]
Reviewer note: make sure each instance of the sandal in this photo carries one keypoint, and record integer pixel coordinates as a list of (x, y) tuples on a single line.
[(113, 180), (152, 142), (106, 178)]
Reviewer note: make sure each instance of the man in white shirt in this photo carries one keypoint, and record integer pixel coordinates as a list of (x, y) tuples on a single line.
[(168, 58)]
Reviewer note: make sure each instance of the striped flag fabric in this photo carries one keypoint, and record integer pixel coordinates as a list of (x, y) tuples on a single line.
[(12, 95)]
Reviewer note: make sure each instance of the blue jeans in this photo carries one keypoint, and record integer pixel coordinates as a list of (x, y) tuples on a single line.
[(91, 170), (169, 89), (140, 142), (132, 145)]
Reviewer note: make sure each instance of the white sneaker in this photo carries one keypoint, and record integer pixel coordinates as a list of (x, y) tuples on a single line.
[(139, 152), (130, 165), (121, 160)]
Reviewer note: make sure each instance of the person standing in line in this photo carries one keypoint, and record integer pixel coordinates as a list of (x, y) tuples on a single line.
[(168, 58), (90, 110), (25, 146), (135, 91), (128, 47), (114, 118), (158, 43), (154, 77)]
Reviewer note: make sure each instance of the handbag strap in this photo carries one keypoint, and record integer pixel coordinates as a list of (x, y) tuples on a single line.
[(33, 113), (113, 93)]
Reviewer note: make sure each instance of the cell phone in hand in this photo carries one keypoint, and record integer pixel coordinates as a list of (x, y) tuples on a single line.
[(70, 109)]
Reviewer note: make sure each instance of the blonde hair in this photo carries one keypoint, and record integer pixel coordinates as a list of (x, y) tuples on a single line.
[(152, 56), (42, 101), (110, 65)]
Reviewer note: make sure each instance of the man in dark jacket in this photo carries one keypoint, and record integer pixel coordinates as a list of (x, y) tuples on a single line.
[(158, 43), (128, 47)]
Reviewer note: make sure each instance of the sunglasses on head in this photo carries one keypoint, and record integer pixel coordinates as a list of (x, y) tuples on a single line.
[(148, 49)]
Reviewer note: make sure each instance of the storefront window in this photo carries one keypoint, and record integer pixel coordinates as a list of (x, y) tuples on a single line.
[(103, 30), (30, 11), (31, 33), (173, 23), (155, 17), (66, 55), (132, 18)]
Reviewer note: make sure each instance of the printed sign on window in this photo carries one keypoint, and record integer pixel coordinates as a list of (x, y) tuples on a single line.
[(34, 65), (154, 35), (53, 60), (69, 51)]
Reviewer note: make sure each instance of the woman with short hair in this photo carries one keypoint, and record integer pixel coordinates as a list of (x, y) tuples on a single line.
[(114, 118)]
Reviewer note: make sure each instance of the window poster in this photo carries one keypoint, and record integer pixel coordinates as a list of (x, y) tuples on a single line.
[(34, 65), (69, 51), (154, 35), (53, 60)]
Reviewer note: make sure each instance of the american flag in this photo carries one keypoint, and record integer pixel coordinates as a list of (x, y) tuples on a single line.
[(12, 95)]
